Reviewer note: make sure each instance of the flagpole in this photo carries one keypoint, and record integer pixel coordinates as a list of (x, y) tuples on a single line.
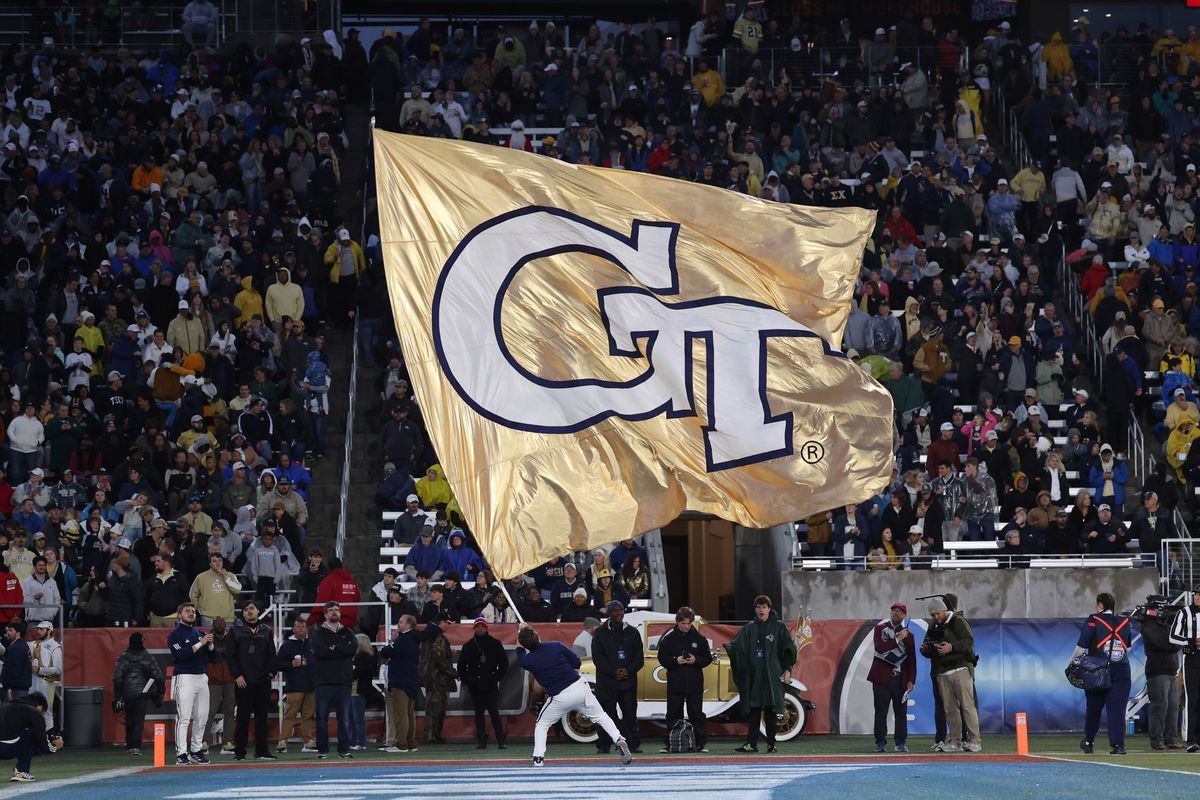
[(511, 604)]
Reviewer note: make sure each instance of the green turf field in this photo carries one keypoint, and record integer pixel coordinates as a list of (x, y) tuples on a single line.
[(71, 763)]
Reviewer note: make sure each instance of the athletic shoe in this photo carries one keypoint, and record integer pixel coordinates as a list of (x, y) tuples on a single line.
[(1118, 750), (901, 748), (1193, 748), (772, 748), (346, 756), (282, 748), (21, 777), (951, 748), (322, 756), (1174, 746), (623, 749), (227, 748), (664, 749), (702, 750), (938, 747), (880, 748), (133, 751), (199, 758), (239, 758), (538, 761), (412, 749), (972, 747), (502, 746), (268, 757), (747, 748), (390, 749), (1087, 748), (358, 747), (182, 760), (307, 749)]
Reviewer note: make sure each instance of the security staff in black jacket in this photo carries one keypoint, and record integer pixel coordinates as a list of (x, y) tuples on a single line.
[(1185, 632), (482, 663), (252, 662), (617, 654), (684, 653), (1162, 664)]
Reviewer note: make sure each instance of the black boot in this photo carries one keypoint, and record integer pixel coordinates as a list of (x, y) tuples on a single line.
[(482, 743)]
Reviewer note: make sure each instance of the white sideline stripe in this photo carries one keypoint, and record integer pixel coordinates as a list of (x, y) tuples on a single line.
[(1069, 760), (669, 781), (46, 786)]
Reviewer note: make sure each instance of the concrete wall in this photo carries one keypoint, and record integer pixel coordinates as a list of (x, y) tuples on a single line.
[(993, 593)]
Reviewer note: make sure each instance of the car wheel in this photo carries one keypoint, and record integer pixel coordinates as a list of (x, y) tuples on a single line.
[(580, 728), (791, 721)]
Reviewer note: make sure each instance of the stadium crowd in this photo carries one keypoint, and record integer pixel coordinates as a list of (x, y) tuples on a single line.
[(171, 253), (955, 310)]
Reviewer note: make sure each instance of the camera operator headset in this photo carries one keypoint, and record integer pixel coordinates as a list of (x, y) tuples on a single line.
[(1185, 632), (1162, 664), (1105, 635)]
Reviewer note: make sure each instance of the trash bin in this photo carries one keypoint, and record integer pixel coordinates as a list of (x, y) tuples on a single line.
[(84, 710)]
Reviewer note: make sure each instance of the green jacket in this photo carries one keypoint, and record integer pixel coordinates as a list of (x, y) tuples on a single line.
[(906, 393), (962, 641), (757, 677)]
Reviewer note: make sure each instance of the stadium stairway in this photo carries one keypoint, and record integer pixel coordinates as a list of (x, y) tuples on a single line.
[(325, 492)]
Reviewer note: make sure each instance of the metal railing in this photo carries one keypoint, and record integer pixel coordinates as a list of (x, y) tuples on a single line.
[(1180, 570), (153, 23), (986, 560), (1138, 456), (348, 446), (846, 63)]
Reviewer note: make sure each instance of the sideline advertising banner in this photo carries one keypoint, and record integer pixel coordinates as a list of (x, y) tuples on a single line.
[(1020, 669)]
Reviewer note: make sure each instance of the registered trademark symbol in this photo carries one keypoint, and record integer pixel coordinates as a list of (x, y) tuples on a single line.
[(812, 452)]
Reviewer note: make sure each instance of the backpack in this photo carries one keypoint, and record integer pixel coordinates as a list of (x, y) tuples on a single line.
[(682, 738)]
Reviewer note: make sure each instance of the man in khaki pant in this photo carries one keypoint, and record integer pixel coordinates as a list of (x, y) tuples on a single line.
[(950, 646), (403, 657), (294, 660)]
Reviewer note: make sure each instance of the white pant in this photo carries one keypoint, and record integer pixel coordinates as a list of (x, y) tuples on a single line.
[(191, 705), (576, 697)]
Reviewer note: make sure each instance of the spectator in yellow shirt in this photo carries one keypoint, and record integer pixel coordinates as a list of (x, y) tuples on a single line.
[(708, 83)]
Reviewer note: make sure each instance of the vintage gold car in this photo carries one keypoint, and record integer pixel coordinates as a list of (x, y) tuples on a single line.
[(720, 692)]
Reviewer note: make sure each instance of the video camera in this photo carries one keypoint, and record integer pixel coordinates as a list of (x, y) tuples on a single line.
[(1157, 607)]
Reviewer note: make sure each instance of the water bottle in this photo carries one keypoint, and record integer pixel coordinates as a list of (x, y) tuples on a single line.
[(1129, 725)]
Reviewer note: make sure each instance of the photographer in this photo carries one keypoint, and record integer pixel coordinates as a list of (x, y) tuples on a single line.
[(1107, 636), (950, 647), (1162, 663), (1185, 633)]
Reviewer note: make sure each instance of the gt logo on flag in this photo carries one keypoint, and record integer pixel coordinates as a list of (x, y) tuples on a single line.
[(732, 331)]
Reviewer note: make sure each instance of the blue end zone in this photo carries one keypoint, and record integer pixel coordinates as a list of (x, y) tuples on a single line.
[(662, 780)]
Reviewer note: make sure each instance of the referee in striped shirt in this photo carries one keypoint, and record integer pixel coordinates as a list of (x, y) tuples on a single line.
[(1185, 632)]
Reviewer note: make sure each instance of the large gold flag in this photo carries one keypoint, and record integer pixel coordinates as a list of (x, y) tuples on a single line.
[(595, 351)]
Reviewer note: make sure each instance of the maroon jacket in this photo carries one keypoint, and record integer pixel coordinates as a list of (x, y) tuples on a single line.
[(941, 450), (883, 664)]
